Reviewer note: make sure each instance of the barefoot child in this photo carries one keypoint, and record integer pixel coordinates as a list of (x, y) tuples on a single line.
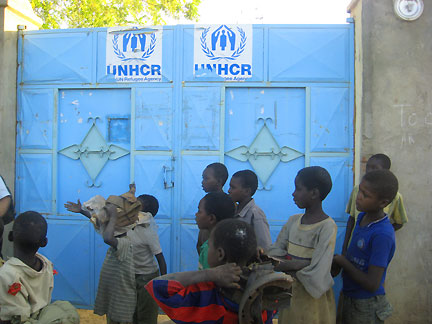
[(26, 279), (369, 253), (213, 208), (306, 244)]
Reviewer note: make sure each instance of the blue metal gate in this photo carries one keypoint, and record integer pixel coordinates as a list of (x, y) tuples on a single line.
[(80, 133)]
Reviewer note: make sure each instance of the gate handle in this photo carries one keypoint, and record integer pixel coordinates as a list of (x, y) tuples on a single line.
[(167, 184)]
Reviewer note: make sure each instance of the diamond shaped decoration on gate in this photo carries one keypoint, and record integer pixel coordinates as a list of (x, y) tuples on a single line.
[(94, 152), (264, 154)]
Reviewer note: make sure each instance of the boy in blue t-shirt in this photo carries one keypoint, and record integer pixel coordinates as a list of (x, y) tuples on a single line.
[(371, 249)]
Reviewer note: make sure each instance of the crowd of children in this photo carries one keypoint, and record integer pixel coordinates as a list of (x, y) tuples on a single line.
[(234, 232)]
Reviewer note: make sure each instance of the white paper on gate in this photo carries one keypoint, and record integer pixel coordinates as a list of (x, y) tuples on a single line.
[(134, 54), (223, 51)]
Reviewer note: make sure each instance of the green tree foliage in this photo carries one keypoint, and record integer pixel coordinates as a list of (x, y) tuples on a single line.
[(109, 13)]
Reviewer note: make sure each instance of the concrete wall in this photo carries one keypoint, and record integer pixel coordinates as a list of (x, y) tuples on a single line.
[(394, 107), (12, 14)]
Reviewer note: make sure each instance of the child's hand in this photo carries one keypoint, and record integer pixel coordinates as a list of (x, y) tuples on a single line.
[(132, 188), (73, 207), (226, 275), (339, 259), (335, 268)]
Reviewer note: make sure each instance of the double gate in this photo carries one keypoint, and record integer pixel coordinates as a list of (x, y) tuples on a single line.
[(80, 133)]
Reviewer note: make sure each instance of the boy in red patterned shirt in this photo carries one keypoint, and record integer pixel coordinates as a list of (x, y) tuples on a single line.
[(195, 296)]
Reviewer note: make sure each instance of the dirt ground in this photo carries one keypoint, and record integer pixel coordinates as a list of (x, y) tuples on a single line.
[(87, 317)]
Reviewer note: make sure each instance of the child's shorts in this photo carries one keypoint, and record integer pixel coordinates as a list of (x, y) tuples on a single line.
[(372, 310)]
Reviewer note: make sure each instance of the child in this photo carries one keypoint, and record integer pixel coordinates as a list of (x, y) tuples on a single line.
[(27, 279), (243, 185), (395, 209), (116, 294), (196, 296), (369, 253), (146, 247), (129, 265), (214, 207), (306, 244), (213, 179)]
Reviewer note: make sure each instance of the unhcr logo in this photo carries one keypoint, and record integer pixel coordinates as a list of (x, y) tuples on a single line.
[(134, 55), (224, 50), (132, 46), (219, 40)]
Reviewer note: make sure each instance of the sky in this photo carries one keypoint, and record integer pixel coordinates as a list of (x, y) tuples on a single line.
[(272, 12)]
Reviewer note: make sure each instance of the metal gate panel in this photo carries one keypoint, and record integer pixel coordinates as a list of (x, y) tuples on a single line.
[(162, 135), (153, 175), (301, 54), (72, 281), (48, 58), (188, 257), (330, 120), (280, 108), (154, 119), (265, 132), (34, 182), (338, 167), (201, 116), (83, 116), (34, 129)]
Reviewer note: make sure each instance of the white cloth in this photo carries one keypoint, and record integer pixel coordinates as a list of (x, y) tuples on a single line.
[(3, 190), (35, 288), (145, 242), (315, 242)]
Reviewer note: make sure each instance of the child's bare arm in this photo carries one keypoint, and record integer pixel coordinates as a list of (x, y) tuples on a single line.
[(76, 208), (226, 275), (4, 205), (162, 264), (397, 226), (370, 281), (349, 229), (292, 265), (108, 234)]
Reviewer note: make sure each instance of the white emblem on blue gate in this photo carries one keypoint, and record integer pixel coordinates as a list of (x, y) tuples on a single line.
[(223, 52), (134, 54), (223, 41), (127, 45)]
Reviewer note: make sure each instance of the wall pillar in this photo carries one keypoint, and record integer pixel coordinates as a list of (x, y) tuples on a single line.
[(13, 13)]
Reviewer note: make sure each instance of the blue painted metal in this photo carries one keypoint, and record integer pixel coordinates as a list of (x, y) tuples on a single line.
[(296, 110), (264, 154), (94, 152)]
